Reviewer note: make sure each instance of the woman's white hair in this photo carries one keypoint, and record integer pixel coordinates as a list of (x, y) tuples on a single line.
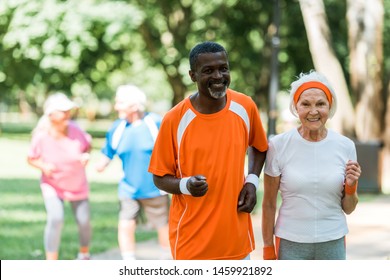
[(311, 76)]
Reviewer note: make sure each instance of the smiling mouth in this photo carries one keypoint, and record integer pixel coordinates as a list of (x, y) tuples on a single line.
[(313, 119), (218, 86)]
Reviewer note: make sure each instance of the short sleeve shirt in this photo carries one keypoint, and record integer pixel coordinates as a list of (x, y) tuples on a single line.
[(134, 150), (214, 145), (68, 180), (311, 185)]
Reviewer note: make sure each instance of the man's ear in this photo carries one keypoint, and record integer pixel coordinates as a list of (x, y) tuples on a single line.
[(192, 75)]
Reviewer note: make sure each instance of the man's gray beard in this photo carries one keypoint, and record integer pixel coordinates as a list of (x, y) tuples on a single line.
[(217, 95)]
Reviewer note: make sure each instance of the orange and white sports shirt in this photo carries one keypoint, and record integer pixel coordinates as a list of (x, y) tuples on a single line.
[(213, 145)]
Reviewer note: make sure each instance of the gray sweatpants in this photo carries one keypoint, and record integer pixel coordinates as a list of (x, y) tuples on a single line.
[(55, 220), (329, 250)]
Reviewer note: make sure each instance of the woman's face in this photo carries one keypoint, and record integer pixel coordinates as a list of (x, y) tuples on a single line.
[(60, 117), (313, 109)]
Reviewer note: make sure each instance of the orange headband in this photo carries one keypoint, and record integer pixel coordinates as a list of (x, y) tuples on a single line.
[(312, 84)]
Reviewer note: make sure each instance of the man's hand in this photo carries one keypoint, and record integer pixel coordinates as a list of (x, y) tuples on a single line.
[(197, 185), (247, 199)]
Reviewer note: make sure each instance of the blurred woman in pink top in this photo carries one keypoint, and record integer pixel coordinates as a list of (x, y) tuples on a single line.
[(60, 149)]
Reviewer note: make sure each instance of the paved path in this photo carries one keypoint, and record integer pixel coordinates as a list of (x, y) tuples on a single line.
[(368, 238), (369, 230)]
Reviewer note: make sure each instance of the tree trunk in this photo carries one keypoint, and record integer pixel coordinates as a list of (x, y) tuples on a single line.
[(179, 88), (385, 174), (24, 107), (325, 62), (173, 40), (365, 20)]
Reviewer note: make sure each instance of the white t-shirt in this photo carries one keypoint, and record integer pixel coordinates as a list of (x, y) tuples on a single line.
[(311, 184)]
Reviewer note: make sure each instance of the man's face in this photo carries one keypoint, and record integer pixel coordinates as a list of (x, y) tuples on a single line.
[(124, 107), (212, 74)]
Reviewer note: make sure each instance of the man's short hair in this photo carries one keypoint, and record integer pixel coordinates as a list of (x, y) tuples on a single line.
[(204, 47)]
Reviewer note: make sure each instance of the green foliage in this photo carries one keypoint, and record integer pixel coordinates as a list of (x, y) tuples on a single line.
[(336, 13), (87, 48), (171, 29), (73, 46), (294, 47)]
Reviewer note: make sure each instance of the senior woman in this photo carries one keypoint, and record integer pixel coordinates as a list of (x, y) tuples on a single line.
[(60, 150), (316, 171)]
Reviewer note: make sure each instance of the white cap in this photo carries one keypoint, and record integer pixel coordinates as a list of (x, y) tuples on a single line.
[(58, 102), (131, 95)]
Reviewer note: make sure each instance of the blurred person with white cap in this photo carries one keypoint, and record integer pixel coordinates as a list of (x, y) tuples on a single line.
[(60, 149), (132, 138)]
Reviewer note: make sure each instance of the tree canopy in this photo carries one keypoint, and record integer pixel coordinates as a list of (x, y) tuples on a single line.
[(87, 48)]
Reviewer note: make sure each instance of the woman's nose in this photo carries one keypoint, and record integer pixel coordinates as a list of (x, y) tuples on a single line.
[(313, 110)]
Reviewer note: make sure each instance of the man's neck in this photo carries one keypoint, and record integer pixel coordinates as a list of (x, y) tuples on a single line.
[(135, 116), (207, 105)]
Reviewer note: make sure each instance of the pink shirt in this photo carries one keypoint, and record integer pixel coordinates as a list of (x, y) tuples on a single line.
[(68, 181)]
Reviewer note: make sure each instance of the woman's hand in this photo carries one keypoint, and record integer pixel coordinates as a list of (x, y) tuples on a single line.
[(48, 169), (84, 158), (352, 172)]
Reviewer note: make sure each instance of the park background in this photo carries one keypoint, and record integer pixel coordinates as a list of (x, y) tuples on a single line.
[(88, 48)]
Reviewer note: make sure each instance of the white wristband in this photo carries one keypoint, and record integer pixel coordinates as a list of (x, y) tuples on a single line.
[(253, 179), (183, 186)]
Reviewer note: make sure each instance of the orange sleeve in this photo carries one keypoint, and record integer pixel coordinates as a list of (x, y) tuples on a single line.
[(163, 159), (257, 137)]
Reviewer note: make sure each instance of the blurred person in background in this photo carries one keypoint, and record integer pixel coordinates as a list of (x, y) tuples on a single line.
[(132, 138), (60, 149), (316, 171)]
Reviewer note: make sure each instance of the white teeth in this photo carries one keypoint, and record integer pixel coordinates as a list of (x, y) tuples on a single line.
[(216, 86)]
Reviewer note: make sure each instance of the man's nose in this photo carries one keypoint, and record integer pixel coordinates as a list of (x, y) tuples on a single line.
[(217, 74)]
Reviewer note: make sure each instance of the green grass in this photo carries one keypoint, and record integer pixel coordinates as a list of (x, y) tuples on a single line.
[(23, 215)]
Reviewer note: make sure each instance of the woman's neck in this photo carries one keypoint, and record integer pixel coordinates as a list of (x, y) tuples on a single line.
[(313, 135), (58, 131)]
